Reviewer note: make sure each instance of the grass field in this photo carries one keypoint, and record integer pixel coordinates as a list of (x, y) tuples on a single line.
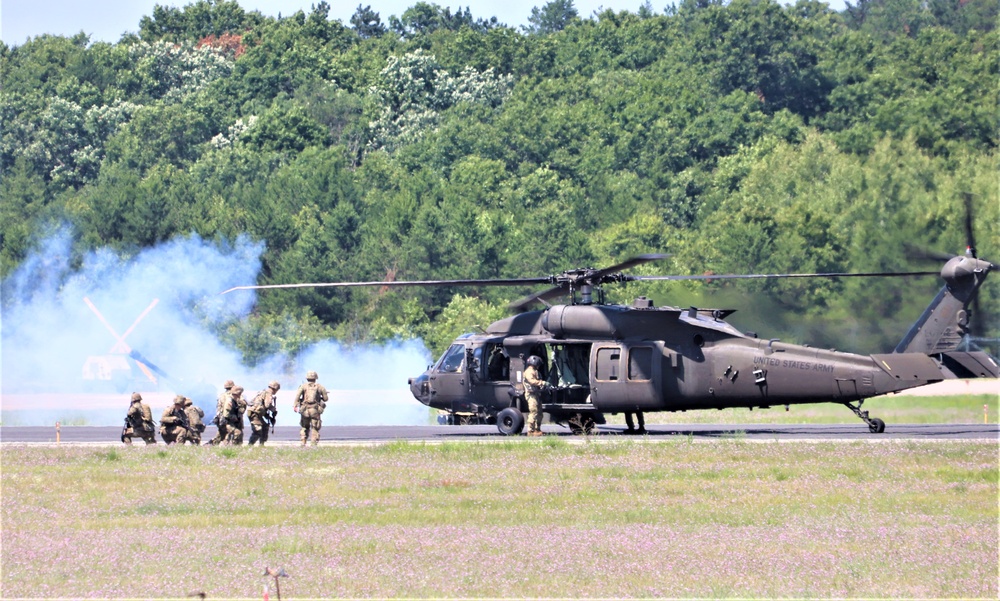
[(513, 519), (958, 409)]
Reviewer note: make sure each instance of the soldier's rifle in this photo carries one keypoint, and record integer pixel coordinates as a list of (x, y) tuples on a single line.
[(271, 416)]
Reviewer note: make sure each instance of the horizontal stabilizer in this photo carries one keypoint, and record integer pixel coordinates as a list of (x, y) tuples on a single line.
[(910, 367), (971, 365)]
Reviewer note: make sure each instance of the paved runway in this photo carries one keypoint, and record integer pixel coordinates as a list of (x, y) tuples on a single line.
[(657, 432)]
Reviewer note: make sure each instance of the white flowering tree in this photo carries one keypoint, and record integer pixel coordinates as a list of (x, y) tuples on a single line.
[(168, 71), (412, 90)]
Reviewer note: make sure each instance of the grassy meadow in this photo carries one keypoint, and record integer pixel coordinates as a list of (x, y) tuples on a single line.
[(958, 409), (509, 518)]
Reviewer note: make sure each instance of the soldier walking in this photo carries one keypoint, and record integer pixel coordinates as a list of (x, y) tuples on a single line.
[(194, 415), (263, 412), (139, 421), (174, 422), (310, 401), (232, 416), (220, 406)]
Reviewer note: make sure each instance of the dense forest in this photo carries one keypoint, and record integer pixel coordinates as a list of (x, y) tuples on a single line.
[(738, 136)]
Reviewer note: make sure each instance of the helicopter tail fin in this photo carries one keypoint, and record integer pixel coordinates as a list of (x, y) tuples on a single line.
[(945, 321)]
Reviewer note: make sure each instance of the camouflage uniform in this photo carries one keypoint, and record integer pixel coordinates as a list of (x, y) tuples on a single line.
[(262, 413), (220, 404), (194, 415), (174, 422), (139, 422), (232, 416), (533, 386), (310, 401)]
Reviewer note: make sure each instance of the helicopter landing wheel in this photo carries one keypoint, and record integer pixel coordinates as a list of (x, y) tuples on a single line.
[(510, 421), (875, 425)]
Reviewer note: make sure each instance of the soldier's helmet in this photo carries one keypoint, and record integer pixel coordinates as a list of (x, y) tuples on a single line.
[(274, 385), (229, 384), (535, 361), (179, 400), (136, 397), (311, 375), (188, 402), (236, 390)]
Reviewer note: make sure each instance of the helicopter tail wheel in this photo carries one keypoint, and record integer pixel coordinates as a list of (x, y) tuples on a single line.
[(875, 425), (510, 421)]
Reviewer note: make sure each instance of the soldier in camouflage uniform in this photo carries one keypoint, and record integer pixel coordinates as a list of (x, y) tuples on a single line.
[(174, 422), (534, 385), (194, 415), (220, 404), (310, 401), (139, 422), (263, 412), (232, 416)]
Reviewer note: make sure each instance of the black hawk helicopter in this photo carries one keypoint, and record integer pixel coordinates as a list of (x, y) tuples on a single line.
[(602, 358)]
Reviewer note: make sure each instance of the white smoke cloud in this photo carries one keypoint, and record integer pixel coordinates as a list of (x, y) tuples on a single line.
[(69, 323)]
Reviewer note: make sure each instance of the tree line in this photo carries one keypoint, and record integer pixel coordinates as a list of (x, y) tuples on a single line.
[(739, 137)]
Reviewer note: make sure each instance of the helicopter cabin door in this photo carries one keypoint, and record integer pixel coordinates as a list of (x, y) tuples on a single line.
[(449, 380), (625, 376)]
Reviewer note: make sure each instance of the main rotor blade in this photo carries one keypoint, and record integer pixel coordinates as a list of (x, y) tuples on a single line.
[(427, 283), (574, 279), (626, 264), (926, 254), (523, 303), (970, 237), (774, 276)]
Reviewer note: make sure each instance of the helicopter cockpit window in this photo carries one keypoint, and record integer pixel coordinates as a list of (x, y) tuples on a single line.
[(451, 361), (497, 364)]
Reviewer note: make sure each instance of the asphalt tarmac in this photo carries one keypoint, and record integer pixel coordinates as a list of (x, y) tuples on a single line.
[(347, 435)]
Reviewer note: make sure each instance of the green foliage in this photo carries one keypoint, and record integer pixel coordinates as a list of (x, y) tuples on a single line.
[(265, 335), (196, 21), (552, 17), (462, 315), (367, 23), (741, 137)]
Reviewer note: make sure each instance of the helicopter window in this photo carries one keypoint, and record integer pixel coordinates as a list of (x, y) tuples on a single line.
[(569, 364), (498, 364), (607, 363), (452, 359), (640, 363)]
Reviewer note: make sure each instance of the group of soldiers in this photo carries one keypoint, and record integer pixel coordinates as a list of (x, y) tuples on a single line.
[(182, 421)]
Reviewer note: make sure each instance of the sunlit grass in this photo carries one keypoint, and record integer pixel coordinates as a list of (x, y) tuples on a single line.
[(514, 519), (962, 409)]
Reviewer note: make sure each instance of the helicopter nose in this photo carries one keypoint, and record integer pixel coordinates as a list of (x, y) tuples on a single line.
[(420, 388)]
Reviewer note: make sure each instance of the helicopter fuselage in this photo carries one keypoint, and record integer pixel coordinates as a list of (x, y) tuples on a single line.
[(612, 358)]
